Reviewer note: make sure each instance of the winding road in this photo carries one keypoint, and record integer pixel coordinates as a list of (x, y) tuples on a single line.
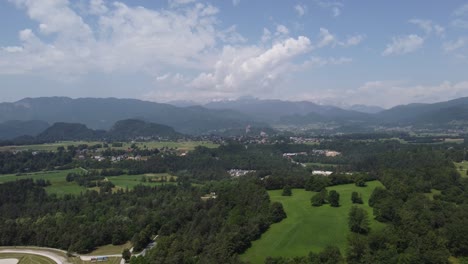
[(45, 253)]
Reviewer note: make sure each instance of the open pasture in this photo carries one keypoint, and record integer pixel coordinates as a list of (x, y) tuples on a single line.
[(308, 228)]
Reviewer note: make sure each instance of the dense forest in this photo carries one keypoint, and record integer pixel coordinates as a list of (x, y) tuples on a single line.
[(421, 226)]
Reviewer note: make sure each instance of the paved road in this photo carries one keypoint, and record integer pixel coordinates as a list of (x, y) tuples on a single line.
[(56, 258)]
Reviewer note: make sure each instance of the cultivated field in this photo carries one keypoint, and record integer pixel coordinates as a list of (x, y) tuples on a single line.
[(183, 145), (308, 228)]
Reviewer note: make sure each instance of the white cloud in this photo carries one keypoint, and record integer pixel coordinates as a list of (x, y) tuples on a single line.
[(461, 23), (12, 49), (334, 6), (251, 66), (454, 45), (300, 9), (462, 10), (266, 36), (390, 93), (325, 38), (125, 39), (403, 45), (175, 3), (320, 62), (281, 30), (235, 2), (97, 7), (428, 26), (353, 40), (182, 48), (230, 35)]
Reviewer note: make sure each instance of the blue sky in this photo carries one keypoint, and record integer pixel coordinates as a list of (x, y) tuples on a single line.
[(332, 52)]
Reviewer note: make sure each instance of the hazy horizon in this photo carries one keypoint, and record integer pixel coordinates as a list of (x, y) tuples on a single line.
[(327, 52)]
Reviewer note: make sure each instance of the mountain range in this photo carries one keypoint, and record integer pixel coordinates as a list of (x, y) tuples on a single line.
[(31, 116)]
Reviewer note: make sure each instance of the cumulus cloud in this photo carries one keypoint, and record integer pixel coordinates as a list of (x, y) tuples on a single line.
[(334, 6), (428, 26), (391, 93), (462, 10), (182, 48), (301, 10), (281, 30), (403, 45), (125, 38), (175, 3), (325, 38), (454, 45), (240, 67)]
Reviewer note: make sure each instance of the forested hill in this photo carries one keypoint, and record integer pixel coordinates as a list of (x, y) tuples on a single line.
[(437, 113), (102, 113), (133, 128), (68, 131), (122, 130), (13, 129)]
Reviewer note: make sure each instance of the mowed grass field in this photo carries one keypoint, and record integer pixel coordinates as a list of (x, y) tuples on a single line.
[(110, 250), (26, 258), (182, 145), (60, 186), (130, 181), (309, 228), (462, 167)]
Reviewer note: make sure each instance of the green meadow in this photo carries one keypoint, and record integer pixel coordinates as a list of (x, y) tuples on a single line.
[(181, 145), (309, 228), (60, 186), (462, 167)]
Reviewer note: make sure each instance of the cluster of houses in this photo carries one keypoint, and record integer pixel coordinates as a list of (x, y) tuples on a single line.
[(239, 173), (302, 140), (209, 196), (327, 153)]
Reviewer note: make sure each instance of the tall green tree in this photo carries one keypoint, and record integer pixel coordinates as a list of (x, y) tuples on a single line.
[(358, 220), (334, 198)]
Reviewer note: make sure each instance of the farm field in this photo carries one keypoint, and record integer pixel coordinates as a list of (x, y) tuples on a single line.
[(183, 145), (462, 167), (308, 228), (60, 186)]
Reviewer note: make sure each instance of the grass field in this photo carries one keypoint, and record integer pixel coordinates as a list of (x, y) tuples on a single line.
[(183, 145), (131, 181), (110, 250), (26, 258), (60, 186), (308, 228), (462, 167)]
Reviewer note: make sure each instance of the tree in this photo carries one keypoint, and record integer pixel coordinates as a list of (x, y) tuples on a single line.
[(320, 198), (334, 198), (126, 255), (277, 212), (358, 249), (356, 198), (330, 255), (358, 220), (287, 191)]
